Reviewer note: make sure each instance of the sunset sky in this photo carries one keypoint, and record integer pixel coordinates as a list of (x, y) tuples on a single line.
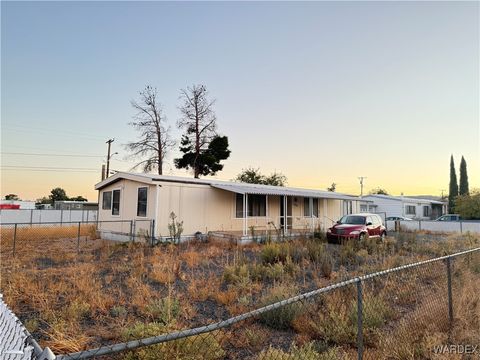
[(320, 91)]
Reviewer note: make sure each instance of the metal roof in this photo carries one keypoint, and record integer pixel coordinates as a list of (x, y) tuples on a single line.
[(405, 199), (236, 187), (281, 191)]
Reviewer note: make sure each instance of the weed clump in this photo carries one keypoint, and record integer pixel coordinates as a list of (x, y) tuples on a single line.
[(201, 347), (283, 317)]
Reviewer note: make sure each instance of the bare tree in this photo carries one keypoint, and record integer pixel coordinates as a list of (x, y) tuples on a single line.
[(202, 147), (154, 140)]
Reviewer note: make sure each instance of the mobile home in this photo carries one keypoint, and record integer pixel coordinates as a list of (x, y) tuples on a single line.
[(207, 205)]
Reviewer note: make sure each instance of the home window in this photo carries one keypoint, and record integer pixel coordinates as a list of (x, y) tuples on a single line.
[(116, 202), (347, 207), (107, 200), (257, 205), (307, 210), (142, 201), (427, 211), (410, 209)]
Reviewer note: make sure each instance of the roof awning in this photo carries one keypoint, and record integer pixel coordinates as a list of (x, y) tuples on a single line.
[(279, 191)]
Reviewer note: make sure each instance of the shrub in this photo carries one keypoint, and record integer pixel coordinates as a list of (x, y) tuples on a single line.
[(282, 317), (164, 310), (77, 310), (118, 311), (315, 250), (307, 352), (267, 272), (326, 265), (201, 347), (347, 255), (236, 273), (375, 312), (275, 252)]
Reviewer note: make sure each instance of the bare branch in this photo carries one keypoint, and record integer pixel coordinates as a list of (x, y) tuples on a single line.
[(154, 139)]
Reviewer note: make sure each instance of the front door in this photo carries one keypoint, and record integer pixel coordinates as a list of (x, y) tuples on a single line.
[(282, 212)]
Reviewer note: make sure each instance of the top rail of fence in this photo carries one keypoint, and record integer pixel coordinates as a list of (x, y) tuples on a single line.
[(110, 349), (69, 222)]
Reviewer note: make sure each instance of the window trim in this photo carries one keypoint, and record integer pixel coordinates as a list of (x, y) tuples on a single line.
[(243, 212), (313, 208), (119, 203), (427, 211), (103, 202), (410, 213), (146, 203)]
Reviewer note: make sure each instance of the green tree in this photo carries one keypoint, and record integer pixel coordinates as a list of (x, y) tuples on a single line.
[(203, 149), (378, 191), (58, 194), (78, 198), (463, 189), (275, 179), (43, 200), (468, 206), (11, 197), (453, 187), (252, 175)]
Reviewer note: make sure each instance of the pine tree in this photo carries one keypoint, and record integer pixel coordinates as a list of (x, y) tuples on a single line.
[(453, 188), (463, 178)]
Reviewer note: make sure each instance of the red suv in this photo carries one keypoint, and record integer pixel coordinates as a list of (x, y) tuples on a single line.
[(357, 226)]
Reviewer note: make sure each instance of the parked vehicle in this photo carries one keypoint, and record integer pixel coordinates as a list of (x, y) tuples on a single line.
[(398, 218), (357, 226), (449, 217)]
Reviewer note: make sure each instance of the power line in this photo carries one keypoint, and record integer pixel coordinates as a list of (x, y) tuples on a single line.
[(44, 168), (50, 170), (65, 155)]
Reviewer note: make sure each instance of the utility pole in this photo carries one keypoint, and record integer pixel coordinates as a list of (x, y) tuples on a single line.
[(109, 142), (442, 190), (361, 178)]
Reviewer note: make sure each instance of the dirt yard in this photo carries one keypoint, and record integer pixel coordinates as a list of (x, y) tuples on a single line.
[(74, 296)]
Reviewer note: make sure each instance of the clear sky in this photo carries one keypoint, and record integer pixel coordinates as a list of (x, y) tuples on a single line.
[(321, 91)]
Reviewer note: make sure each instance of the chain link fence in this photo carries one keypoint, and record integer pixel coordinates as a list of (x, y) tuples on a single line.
[(413, 311), (131, 301), (23, 241)]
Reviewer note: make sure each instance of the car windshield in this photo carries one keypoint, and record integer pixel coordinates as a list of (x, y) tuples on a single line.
[(352, 220)]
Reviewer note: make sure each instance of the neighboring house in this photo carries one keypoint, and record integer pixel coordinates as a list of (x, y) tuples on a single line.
[(17, 204), (410, 207), (75, 205), (211, 205)]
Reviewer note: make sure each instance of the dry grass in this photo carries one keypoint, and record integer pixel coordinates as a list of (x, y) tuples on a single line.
[(72, 301)]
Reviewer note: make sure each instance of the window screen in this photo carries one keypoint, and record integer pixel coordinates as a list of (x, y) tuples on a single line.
[(142, 201), (116, 202), (107, 200)]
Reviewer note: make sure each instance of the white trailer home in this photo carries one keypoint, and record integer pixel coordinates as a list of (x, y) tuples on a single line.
[(410, 207), (206, 205)]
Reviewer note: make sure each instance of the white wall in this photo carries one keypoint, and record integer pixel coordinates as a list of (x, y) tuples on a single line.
[(397, 207), (438, 226), (43, 216), (23, 204)]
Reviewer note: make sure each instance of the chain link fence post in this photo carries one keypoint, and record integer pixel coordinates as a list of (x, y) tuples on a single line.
[(359, 319), (153, 232), (78, 238), (14, 238), (131, 231)]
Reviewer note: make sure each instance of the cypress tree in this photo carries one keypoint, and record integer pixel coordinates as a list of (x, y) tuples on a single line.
[(453, 188), (463, 178)]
